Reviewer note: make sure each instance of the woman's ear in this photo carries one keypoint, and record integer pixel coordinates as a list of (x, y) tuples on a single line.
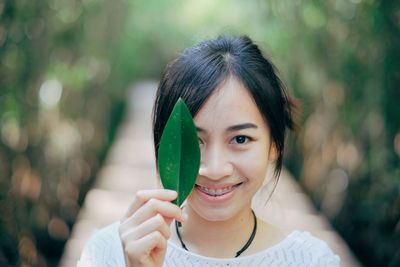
[(273, 153)]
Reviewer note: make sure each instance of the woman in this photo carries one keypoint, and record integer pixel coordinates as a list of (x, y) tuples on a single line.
[(241, 112)]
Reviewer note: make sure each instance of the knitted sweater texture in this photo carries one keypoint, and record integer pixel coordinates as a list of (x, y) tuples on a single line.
[(299, 249)]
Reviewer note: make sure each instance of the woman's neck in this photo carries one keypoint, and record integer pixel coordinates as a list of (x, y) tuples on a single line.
[(221, 239)]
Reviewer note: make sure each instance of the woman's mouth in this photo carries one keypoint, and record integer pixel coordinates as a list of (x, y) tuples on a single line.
[(217, 192)]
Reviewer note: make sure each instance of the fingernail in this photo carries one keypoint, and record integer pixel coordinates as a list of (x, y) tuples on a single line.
[(172, 193)]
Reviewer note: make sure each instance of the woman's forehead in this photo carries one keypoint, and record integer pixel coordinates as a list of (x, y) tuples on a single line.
[(230, 104)]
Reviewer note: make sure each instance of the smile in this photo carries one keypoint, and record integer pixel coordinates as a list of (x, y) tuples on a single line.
[(216, 192)]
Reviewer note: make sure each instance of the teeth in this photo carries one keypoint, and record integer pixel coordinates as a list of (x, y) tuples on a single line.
[(215, 192)]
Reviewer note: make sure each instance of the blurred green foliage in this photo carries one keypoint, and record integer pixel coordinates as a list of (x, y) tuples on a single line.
[(58, 114), (64, 66)]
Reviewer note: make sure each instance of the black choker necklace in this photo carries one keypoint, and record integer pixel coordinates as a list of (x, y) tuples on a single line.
[(248, 243)]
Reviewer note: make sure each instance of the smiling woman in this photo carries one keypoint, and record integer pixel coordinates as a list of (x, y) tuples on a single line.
[(235, 151), (241, 112)]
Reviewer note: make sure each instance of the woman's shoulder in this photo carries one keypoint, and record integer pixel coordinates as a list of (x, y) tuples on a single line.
[(295, 245), (105, 238), (316, 250), (104, 248), (305, 239)]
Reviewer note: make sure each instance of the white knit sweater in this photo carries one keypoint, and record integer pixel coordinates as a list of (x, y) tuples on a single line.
[(298, 249)]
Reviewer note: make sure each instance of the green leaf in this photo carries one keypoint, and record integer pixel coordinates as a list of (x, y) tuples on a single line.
[(179, 152)]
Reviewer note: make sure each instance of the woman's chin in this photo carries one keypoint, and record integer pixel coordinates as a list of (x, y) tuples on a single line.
[(214, 216), (213, 213)]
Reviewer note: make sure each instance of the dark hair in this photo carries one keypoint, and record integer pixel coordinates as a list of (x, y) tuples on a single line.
[(199, 71)]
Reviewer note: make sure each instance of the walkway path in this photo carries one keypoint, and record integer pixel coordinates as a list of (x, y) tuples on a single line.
[(130, 166)]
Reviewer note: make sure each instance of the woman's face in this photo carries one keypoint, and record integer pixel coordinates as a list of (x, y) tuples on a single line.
[(235, 150)]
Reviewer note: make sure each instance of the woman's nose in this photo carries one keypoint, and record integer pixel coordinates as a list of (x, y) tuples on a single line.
[(215, 163)]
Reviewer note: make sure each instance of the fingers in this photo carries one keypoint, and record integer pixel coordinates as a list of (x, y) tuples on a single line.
[(145, 195), (155, 223), (154, 206), (150, 209), (144, 230), (138, 250)]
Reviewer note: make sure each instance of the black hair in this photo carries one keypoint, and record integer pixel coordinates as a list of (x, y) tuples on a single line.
[(200, 70)]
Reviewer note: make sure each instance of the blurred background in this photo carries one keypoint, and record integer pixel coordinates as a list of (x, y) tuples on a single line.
[(65, 66)]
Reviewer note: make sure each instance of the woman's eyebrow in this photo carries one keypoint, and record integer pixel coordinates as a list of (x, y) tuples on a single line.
[(242, 126), (233, 128)]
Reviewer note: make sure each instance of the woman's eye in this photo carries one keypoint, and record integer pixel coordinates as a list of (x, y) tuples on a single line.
[(241, 139)]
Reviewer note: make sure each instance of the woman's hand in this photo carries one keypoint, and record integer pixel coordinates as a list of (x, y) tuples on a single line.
[(144, 230)]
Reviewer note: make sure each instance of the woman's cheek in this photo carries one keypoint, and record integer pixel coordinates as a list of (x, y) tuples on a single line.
[(252, 164)]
